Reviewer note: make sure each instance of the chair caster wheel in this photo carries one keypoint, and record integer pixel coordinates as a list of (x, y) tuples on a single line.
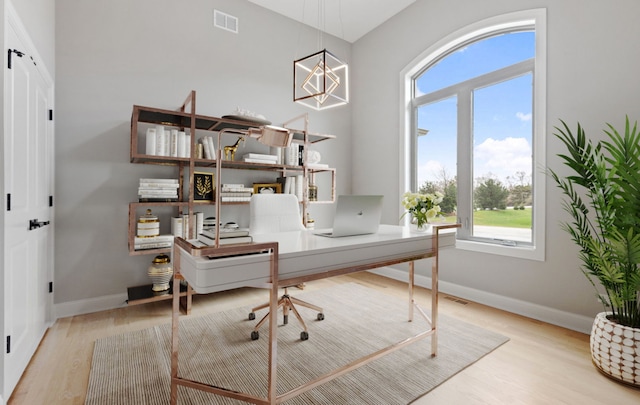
[(255, 335), (304, 335), (252, 316), (320, 316)]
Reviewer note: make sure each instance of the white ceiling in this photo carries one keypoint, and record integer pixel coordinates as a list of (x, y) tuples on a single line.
[(346, 19)]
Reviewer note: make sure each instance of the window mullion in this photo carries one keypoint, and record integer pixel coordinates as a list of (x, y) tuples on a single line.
[(465, 158)]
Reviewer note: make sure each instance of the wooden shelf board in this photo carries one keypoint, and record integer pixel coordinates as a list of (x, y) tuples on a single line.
[(143, 294), (150, 251)]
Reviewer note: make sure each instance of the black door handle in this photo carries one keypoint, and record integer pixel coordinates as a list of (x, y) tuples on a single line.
[(35, 224)]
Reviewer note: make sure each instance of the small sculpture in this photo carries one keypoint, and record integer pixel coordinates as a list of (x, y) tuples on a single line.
[(230, 150)]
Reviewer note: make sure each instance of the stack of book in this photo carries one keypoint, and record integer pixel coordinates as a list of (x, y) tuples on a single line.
[(153, 242), (260, 158), (293, 155), (235, 193), (208, 149), (158, 190), (292, 185), (227, 236), (163, 141), (209, 224)]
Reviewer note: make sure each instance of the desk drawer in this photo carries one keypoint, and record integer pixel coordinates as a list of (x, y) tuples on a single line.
[(220, 274)]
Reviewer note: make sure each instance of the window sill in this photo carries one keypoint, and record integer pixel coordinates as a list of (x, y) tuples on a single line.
[(519, 252)]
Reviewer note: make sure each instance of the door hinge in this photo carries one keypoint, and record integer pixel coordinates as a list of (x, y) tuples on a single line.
[(50, 287), (50, 201), (50, 115), (8, 201), (8, 344), (10, 51)]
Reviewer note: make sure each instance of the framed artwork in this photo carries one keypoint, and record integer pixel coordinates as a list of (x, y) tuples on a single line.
[(267, 188), (203, 186)]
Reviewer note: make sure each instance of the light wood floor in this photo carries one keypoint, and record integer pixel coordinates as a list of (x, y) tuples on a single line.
[(541, 364)]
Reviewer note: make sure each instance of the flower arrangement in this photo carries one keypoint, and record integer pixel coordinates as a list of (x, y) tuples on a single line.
[(422, 207)]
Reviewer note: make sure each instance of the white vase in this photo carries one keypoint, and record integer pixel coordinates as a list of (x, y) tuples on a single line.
[(424, 227), (160, 272), (615, 350)]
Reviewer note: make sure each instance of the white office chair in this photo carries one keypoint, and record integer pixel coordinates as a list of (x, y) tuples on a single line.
[(271, 213)]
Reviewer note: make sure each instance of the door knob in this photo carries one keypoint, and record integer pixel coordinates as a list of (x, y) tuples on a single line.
[(34, 224)]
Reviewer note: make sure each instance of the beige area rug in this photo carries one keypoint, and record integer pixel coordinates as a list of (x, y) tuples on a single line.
[(134, 368)]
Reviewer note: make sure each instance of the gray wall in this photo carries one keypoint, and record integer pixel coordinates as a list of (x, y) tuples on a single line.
[(592, 78), (114, 54)]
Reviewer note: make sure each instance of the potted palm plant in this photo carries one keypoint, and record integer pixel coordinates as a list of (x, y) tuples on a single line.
[(602, 195)]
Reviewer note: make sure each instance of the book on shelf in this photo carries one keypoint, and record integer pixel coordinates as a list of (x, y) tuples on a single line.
[(176, 226), (155, 198), (181, 144), (199, 217), (167, 142), (161, 141), (160, 186), (158, 245), (236, 193), (292, 155), (159, 191), (260, 156), (153, 239), (299, 187), (208, 150), (224, 241), (243, 189), (150, 145), (235, 199), (162, 181), (227, 233), (173, 143), (263, 161), (232, 185), (154, 242)]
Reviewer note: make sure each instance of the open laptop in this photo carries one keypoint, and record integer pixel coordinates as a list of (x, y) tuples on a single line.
[(355, 215)]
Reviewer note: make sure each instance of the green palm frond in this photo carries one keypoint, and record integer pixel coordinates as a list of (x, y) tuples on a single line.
[(602, 196)]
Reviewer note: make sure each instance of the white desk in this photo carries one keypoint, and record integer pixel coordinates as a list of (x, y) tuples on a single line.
[(294, 257)]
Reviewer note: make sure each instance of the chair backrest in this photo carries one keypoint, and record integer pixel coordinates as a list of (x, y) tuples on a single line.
[(274, 213)]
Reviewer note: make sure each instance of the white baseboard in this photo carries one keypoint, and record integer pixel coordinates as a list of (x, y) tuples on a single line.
[(567, 320), (89, 305)]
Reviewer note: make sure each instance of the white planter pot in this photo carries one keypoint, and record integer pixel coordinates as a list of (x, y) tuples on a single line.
[(615, 350)]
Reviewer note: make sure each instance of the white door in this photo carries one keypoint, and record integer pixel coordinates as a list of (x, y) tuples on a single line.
[(28, 232)]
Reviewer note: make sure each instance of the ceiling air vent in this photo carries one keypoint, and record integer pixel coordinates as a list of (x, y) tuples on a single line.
[(225, 21)]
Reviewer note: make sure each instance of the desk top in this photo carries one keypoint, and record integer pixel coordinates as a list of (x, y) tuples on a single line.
[(303, 254), (304, 242)]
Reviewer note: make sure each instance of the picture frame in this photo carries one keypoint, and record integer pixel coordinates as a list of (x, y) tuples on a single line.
[(203, 186), (267, 188)]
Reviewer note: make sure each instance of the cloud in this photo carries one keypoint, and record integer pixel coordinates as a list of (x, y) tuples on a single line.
[(431, 170), (523, 117), (502, 157)]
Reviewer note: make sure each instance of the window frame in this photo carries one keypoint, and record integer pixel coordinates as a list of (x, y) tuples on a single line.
[(532, 20)]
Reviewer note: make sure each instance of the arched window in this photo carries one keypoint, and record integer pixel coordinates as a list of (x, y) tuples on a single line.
[(475, 132)]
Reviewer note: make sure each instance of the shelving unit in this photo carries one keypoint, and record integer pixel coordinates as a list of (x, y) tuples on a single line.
[(186, 119)]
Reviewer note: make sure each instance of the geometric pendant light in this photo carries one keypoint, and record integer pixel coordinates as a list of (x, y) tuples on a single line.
[(320, 81)]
